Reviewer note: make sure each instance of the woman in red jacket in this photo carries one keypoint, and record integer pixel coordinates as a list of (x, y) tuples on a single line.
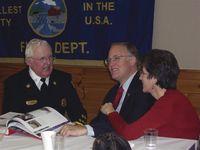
[(172, 114)]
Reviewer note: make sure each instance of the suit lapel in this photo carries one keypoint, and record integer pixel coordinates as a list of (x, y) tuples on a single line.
[(29, 84), (52, 81), (131, 90)]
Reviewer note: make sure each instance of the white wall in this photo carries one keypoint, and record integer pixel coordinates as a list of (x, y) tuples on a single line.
[(177, 28)]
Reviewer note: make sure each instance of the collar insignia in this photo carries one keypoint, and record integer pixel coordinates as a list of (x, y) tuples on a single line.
[(28, 86), (63, 102)]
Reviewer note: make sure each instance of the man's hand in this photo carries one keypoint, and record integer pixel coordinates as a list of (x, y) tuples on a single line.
[(107, 108), (73, 130)]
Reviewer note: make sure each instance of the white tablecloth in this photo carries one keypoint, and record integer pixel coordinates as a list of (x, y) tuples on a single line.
[(164, 143), (17, 142), (20, 142)]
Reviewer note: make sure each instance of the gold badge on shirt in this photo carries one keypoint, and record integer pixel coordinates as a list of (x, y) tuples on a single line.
[(28, 86), (63, 102), (31, 102), (54, 83)]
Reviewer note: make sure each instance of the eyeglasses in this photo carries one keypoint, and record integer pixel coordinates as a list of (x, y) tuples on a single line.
[(44, 59), (115, 59)]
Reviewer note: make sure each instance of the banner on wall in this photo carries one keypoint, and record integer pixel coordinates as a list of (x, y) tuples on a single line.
[(76, 29)]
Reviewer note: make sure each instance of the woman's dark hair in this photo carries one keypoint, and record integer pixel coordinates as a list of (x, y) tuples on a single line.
[(162, 65), (110, 141)]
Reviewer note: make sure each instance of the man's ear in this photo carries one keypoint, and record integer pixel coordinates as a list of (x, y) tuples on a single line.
[(154, 80), (133, 60), (27, 61)]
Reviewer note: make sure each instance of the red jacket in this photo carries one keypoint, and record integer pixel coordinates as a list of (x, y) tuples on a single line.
[(172, 114)]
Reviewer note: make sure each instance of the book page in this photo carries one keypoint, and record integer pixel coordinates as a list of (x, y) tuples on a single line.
[(21, 128), (7, 116), (45, 122), (35, 122)]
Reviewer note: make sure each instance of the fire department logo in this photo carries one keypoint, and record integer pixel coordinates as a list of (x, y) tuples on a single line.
[(47, 18)]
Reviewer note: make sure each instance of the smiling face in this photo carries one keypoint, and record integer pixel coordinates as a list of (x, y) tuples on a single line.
[(121, 63), (148, 83), (41, 62)]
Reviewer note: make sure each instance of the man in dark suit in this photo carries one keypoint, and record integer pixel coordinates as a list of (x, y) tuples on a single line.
[(133, 103), (40, 85)]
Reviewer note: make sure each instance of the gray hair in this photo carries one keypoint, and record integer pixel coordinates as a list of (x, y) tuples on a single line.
[(32, 44), (131, 48)]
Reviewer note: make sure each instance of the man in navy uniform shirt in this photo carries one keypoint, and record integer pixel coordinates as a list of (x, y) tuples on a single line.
[(40, 85)]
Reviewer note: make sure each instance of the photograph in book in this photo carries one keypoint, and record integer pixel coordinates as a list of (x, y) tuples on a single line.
[(35, 121)]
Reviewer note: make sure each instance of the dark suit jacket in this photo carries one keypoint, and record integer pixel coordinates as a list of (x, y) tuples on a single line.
[(22, 95), (135, 104)]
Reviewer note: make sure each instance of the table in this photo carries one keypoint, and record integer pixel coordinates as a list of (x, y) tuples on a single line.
[(164, 143), (21, 142)]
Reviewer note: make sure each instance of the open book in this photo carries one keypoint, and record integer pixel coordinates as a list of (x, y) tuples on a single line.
[(34, 122)]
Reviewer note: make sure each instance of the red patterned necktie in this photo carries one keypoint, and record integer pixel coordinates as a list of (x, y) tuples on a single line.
[(118, 97)]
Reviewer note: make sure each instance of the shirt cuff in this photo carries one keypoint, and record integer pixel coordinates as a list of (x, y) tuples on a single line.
[(90, 131)]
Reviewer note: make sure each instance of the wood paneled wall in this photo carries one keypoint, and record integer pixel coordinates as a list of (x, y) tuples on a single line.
[(189, 84), (92, 83)]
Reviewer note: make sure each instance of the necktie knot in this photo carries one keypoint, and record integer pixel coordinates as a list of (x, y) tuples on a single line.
[(44, 85), (118, 97), (43, 80), (120, 90)]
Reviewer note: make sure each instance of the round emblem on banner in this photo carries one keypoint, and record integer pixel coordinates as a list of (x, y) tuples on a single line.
[(47, 18)]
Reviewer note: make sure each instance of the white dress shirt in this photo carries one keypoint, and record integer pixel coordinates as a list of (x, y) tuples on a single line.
[(37, 78), (125, 86)]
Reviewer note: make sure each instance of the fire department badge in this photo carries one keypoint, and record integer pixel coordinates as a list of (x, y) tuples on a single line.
[(63, 102), (47, 18)]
